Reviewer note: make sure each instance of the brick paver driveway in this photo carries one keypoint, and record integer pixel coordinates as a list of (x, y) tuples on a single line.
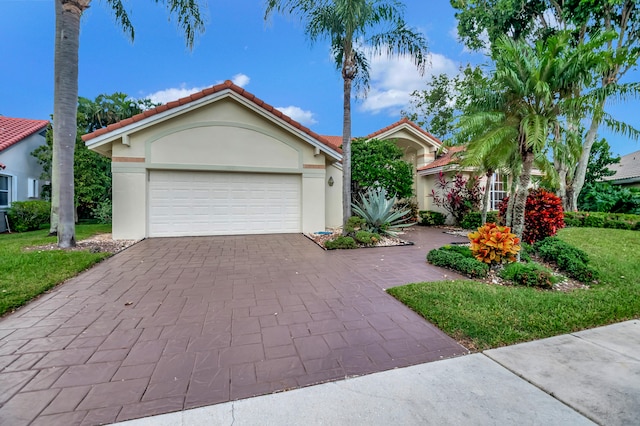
[(177, 323)]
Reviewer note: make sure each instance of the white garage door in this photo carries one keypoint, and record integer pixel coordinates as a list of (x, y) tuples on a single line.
[(209, 203)]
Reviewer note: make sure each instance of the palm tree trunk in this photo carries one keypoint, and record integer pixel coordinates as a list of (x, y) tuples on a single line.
[(64, 114), (485, 196), (561, 168), (55, 161), (521, 196), (513, 177), (346, 147)]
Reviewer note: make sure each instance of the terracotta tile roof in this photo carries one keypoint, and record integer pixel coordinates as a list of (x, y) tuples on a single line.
[(13, 130), (404, 121), (227, 85), (627, 168), (445, 160), (334, 141)]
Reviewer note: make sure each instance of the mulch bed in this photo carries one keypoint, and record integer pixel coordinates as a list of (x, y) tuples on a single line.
[(100, 243), (385, 241)]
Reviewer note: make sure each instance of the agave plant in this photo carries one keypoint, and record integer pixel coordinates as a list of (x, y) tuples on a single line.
[(377, 210)]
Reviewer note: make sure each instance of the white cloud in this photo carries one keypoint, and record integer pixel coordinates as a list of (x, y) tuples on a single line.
[(175, 93), (484, 37), (394, 79), (298, 114)]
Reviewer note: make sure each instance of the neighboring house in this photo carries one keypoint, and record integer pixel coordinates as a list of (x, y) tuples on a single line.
[(19, 170), (222, 162), (627, 171)]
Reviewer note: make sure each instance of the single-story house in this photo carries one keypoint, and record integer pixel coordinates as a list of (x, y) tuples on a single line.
[(222, 162), (19, 170), (627, 171)]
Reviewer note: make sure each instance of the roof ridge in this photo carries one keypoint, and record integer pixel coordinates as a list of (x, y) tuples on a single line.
[(226, 85)]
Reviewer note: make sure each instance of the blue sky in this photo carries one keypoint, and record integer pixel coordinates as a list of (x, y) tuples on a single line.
[(274, 61)]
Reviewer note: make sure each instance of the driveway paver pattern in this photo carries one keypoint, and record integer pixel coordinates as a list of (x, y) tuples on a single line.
[(177, 323)]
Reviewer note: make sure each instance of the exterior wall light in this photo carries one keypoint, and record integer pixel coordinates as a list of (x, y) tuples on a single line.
[(330, 182)]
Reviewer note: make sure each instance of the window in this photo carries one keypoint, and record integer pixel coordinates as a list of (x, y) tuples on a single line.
[(32, 190), (5, 190), (498, 190)]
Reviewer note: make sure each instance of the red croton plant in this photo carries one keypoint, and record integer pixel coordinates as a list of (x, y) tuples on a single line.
[(543, 215)]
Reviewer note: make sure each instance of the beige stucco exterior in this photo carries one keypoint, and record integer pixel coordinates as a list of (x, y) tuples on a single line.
[(419, 149), (227, 134)]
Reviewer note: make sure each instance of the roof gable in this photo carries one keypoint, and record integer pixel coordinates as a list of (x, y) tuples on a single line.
[(627, 168), (203, 97), (13, 130), (407, 124)]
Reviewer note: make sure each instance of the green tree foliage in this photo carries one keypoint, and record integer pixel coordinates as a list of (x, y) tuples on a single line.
[(482, 22), (601, 157), (529, 108), (356, 29), (608, 198), (379, 163), (438, 107), (92, 171)]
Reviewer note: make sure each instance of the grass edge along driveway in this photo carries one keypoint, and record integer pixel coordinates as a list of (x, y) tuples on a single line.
[(483, 316), (26, 274)]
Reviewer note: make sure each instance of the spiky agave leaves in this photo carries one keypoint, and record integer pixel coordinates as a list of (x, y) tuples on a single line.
[(377, 210)]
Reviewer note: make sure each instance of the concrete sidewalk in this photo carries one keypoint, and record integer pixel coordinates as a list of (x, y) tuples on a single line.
[(575, 379)]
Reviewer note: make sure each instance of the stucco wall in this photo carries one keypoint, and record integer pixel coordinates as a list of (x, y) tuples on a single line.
[(21, 166), (333, 205), (223, 136)]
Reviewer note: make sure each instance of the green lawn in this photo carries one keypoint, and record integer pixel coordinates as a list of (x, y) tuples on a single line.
[(485, 316), (26, 274)]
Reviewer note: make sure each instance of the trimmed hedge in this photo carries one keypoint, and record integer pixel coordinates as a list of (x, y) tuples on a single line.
[(341, 242), (602, 220), (570, 259), (458, 262), (528, 274), (27, 216)]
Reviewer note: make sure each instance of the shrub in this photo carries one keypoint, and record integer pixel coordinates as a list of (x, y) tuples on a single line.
[(458, 262), (103, 212), (525, 252), (617, 224), (458, 196), (378, 212), (354, 223), (341, 242), (594, 221), (473, 220), (28, 215), (431, 218), (543, 215), (366, 237), (528, 274), (494, 244), (568, 258)]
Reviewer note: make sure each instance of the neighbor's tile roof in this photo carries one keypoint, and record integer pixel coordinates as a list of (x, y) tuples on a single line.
[(404, 121), (445, 160), (206, 92), (334, 141), (13, 130), (627, 168)]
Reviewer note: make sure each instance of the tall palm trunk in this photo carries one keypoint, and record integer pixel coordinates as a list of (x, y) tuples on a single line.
[(485, 196), (520, 203), (348, 73), (64, 114), (55, 161)]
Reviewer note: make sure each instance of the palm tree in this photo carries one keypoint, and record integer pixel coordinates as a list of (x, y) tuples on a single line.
[(68, 14), (528, 112), (355, 28)]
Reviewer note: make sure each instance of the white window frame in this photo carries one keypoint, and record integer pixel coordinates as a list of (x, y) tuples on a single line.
[(498, 190), (33, 188), (9, 191)]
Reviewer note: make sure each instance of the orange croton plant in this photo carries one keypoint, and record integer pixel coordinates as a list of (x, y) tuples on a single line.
[(494, 244)]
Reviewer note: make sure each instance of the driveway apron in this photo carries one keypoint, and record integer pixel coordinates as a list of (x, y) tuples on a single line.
[(177, 323)]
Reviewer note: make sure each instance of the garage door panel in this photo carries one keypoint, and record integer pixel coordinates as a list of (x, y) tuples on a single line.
[(185, 203)]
